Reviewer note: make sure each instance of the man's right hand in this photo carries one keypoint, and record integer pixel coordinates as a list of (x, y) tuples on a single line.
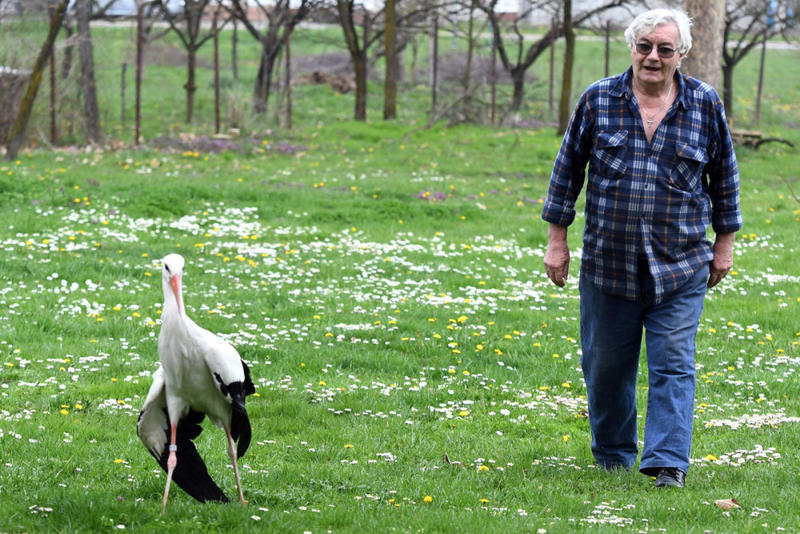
[(556, 259)]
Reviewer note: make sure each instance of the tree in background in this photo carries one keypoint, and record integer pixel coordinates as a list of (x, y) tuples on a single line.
[(88, 85), (17, 132), (357, 47), (564, 105), (703, 61), (363, 29), (747, 24), (509, 37), (281, 19), (187, 24), (98, 10), (392, 77)]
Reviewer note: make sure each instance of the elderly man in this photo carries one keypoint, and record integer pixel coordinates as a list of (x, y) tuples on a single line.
[(661, 169)]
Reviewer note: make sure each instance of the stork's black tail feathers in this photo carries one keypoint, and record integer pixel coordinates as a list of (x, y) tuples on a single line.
[(191, 473), (240, 422)]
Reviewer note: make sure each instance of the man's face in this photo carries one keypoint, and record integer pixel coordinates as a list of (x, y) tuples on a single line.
[(652, 68)]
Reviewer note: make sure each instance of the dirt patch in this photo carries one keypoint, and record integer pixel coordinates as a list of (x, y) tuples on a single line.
[(204, 144), (169, 56), (337, 63)]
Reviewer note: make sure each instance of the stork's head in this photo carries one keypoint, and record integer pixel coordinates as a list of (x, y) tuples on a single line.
[(171, 274)]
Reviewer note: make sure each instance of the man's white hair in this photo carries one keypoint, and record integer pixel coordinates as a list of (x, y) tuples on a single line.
[(650, 20)]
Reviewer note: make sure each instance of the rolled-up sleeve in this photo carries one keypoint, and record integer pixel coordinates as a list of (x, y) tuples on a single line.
[(569, 170), (723, 179)]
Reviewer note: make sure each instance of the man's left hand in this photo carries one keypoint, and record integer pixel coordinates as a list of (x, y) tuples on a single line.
[(722, 263)]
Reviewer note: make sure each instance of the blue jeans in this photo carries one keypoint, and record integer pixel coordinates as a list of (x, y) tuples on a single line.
[(611, 337)]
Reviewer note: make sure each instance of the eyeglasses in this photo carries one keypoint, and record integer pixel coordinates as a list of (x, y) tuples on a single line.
[(664, 52)]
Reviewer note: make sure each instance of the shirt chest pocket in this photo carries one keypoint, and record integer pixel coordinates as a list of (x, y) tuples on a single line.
[(609, 154), (688, 166)]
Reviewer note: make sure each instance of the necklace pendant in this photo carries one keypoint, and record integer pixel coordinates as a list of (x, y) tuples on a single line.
[(649, 122)]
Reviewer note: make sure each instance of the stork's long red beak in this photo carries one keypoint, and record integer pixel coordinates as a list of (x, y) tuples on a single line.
[(175, 282)]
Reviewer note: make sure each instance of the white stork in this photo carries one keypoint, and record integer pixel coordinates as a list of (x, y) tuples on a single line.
[(200, 375)]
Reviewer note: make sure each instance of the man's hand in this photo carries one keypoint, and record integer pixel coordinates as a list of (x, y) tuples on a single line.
[(723, 258), (556, 259)]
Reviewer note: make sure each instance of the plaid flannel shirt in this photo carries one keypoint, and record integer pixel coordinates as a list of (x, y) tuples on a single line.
[(645, 200)]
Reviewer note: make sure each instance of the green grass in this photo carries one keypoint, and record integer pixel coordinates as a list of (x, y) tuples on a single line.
[(385, 285)]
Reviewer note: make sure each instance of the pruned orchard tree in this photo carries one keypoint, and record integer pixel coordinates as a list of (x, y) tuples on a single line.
[(350, 17), (363, 29), (517, 56), (187, 24), (282, 17), (747, 24), (98, 10)]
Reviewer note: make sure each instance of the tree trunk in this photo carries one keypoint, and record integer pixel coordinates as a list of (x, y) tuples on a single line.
[(705, 58), (234, 51), (360, 68), (566, 78), (392, 64), (215, 29), (137, 129), (53, 125), (191, 64), (358, 54), (91, 111), (361, 73), (727, 91), (518, 81), (66, 62), (552, 80), (467, 79), (414, 62), (759, 91), (263, 82), (17, 132), (288, 80), (434, 52), (493, 97), (607, 39)]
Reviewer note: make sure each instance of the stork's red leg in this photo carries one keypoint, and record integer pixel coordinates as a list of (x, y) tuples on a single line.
[(172, 461), (232, 454)]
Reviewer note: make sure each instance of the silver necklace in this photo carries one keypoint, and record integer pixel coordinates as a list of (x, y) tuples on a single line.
[(651, 118)]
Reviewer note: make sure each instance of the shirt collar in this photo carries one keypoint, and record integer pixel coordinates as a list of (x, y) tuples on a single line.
[(623, 89)]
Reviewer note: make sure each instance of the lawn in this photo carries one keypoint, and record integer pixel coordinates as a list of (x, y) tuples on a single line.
[(415, 369)]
